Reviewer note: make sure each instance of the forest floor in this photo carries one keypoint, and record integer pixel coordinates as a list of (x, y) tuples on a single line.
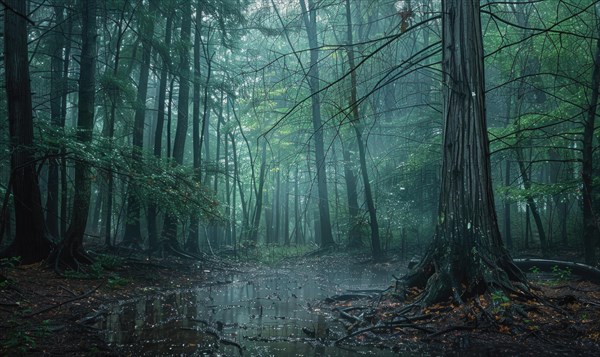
[(42, 313)]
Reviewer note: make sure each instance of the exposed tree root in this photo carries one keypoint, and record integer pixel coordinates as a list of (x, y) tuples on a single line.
[(443, 275), (65, 257), (538, 315)]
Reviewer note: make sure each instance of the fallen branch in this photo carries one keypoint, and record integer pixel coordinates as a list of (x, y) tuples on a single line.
[(347, 297), (360, 332), (382, 327)]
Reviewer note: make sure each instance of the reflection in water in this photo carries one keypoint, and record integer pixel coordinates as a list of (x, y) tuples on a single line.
[(265, 313)]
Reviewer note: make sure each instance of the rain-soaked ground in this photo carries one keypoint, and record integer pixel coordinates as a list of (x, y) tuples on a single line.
[(266, 312)]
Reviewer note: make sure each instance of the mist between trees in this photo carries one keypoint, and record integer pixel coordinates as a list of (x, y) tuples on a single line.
[(188, 127)]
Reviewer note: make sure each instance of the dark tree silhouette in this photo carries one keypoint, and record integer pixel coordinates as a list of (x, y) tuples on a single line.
[(358, 127), (309, 16), (133, 235), (31, 242), (590, 222), (466, 256), (70, 251)]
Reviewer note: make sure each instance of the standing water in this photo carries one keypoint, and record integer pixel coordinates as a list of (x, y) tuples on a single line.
[(264, 313)]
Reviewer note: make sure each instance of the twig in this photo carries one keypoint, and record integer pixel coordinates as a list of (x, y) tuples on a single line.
[(79, 297), (350, 317), (382, 327), (409, 325), (360, 332), (67, 290)]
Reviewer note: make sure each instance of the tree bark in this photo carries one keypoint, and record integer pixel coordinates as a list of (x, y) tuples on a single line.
[(531, 202), (590, 222), (259, 195), (192, 244), (170, 226), (153, 233), (31, 243), (133, 235), (354, 234), (56, 90), (309, 16), (358, 130), (466, 256), (108, 131), (70, 251)]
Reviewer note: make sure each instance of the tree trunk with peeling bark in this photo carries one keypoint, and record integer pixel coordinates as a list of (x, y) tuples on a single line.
[(467, 256)]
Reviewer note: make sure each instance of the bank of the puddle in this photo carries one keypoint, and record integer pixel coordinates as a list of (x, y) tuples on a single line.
[(266, 313)]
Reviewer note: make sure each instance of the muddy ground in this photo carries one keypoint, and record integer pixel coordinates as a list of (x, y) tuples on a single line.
[(42, 313)]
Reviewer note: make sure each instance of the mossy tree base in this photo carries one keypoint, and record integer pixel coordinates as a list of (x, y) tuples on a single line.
[(445, 274)]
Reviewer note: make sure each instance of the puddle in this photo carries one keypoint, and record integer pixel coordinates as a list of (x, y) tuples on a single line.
[(265, 313)]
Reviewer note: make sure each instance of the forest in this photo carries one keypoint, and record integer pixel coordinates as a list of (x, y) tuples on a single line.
[(425, 174)]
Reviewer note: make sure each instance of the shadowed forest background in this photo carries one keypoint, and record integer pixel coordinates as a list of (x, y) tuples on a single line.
[(225, 125), (455, 134)]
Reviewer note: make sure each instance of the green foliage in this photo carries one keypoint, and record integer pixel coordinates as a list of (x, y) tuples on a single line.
[(561, 275), (7, 264), (109, 261), (534, 270), (500, 302), (98, 271), (116, 281), (118, 88), (18, 342), (22, 339), (539, 190), (94, 272), (174, 188)]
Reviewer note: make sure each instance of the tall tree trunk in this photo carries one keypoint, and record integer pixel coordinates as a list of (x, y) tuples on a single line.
[(56, 90), (108, 131), (466, 256), (70, 251), (309, 16), (153, 233), (277, 207), (286, 209), (31, 243), (507, 207), (237, 182), (354, 235), (170, 226), (228, 213), (64, 197), (531, 202), (298, 237), (590, 222), (358, 130), (192, 244), (259, 194), (133, 235)]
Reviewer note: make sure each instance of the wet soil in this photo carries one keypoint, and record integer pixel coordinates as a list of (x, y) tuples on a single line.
[(327, 305)]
